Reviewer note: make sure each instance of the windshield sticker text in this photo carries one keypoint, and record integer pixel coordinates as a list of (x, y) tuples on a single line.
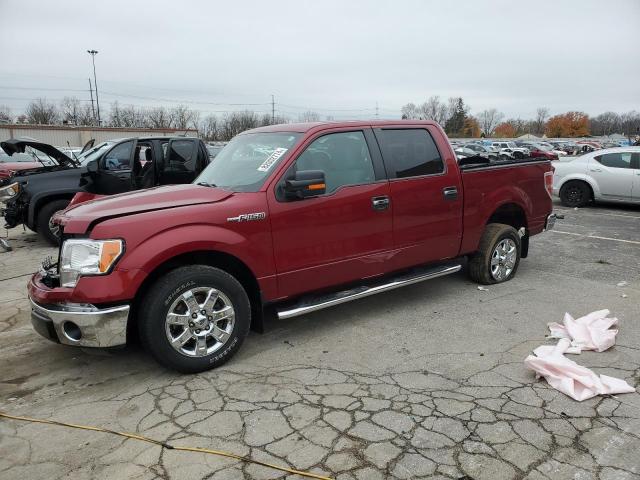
[(272, 159)]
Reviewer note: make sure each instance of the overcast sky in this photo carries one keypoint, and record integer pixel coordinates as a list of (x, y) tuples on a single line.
[(336, 57)]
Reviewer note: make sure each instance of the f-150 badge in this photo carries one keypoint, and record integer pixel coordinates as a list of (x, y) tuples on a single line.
[(248, 217)]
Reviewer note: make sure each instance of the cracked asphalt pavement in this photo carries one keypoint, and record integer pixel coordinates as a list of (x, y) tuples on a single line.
[(427, 381)]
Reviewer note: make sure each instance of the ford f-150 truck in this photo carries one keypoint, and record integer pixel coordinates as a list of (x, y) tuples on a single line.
[(294, 217)]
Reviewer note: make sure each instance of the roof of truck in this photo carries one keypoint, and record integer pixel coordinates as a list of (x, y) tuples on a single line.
[(305, 127)]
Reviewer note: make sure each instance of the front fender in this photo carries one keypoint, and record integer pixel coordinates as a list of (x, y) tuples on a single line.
[(37, 200), (164, 245)]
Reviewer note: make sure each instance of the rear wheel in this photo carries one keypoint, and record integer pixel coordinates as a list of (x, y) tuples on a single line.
[(575, 194), (46, 228), (498, 255), (194, 318)]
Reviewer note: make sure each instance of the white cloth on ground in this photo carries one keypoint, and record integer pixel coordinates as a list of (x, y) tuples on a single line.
[(591, 332), (565, 375)]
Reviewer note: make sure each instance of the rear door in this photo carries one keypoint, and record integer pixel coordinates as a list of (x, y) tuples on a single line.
[(426, 194), (613, 174), (342, 235), (180, 163)]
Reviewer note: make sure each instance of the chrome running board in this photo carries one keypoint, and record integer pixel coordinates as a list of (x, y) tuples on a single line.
[(314, 303)]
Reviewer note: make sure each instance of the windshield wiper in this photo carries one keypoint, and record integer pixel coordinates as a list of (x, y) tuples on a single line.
[(205, 184)]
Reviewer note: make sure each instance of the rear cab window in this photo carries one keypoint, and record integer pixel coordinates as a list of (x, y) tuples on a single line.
[(409, 152)]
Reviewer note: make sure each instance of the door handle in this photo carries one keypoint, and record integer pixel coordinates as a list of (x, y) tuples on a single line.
[(450, 193), (595, 169), (380, 203)]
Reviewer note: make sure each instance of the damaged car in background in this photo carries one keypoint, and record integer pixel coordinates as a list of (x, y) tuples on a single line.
[(33, 197)]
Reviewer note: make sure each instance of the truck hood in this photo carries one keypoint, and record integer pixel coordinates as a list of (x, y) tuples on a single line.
[(79, 218), (19, 145)]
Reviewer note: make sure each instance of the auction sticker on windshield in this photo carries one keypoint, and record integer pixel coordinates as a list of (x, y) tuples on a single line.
[(272, 159)]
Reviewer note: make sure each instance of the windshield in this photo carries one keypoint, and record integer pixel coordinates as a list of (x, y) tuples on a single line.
[(244, 164), (93, 153), (17, 157), (511, 145)]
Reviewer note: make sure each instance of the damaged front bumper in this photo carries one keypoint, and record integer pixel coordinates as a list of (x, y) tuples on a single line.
[(79, 324)]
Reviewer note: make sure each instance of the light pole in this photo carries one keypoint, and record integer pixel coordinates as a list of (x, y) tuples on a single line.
[(95, 81)]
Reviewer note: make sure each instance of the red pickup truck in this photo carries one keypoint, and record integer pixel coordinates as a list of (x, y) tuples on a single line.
[(293, 217)]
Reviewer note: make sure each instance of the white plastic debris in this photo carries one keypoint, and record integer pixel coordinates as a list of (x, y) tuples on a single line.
[(622, 284), (483, 289), (624, 295), (591, 332), (576, 381)]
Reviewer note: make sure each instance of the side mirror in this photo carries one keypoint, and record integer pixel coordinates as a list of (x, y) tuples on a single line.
[(92, 166), (305, 184)]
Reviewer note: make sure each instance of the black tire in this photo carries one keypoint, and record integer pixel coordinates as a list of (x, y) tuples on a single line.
[(154, 309), (575, 193), (480, 269), (44, 216)]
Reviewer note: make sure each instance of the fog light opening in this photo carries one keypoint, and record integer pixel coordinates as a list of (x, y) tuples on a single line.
[(72, 331)]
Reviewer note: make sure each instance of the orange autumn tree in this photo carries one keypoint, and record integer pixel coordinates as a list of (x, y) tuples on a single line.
[(471, 128), (570, 124), (505, 130)]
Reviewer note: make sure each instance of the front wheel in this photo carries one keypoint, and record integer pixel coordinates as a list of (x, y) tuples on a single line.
[(498, 255), (46, 227), (194, 318)]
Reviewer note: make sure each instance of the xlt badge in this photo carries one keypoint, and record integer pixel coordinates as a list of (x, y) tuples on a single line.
[(248, 217)]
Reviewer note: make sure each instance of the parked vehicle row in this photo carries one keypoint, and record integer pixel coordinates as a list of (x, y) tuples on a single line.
[(288, 218)]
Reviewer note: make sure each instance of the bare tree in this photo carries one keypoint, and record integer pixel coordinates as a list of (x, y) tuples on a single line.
[(309, 116), (132, 117), (5, 114), (41, 112), (115, 119), (630, 123), (434, 109), (489, 120), (182, 117), (409, 111), (542, 114), (157, 117), (236, 122), (70, 110), (210, 128)]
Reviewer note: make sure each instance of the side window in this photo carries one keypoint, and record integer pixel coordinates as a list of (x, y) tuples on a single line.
[(119, 158), (615, 160), (410, 152), (182, 157), (343, 157)]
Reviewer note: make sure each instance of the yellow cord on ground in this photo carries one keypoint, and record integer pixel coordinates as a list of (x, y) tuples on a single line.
[(165, 445)]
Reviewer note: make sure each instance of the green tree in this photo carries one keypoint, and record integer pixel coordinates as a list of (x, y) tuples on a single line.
[(456, 123)]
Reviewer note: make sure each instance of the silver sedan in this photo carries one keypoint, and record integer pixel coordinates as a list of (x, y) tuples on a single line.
[(611, 175)]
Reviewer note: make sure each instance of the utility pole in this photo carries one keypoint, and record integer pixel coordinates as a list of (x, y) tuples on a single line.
[(273, 110), (93, 110), (95, 81), (377, 110)]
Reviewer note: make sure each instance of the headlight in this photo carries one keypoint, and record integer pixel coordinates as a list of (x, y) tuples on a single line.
[(87, 257), (9, 191)]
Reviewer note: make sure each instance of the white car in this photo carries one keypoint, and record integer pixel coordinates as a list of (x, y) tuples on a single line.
[(510, 149), (611, 175)]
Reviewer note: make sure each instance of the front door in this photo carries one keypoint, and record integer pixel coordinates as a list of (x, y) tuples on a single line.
[(343, 235), (426, 195), (114, 170), (613, 174)]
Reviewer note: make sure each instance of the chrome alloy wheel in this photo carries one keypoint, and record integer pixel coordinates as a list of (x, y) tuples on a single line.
[(200, 321), (503, 259)]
